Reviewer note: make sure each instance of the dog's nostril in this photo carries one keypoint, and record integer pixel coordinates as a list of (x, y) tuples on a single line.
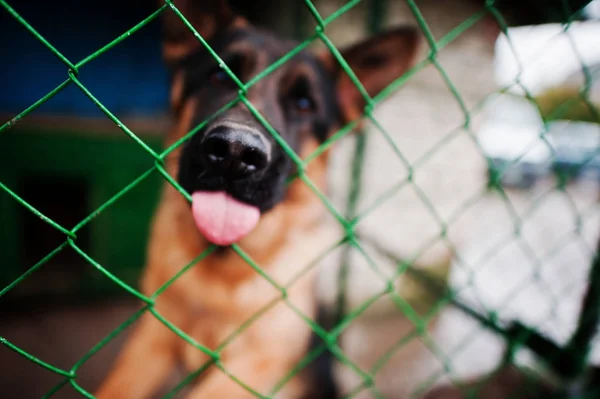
[(216, 149), (254, 159)]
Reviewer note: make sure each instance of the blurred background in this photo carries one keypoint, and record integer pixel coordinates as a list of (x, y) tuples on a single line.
[(465, 124)]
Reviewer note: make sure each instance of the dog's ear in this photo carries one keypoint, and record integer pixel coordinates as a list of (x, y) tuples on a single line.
[(206, 16), (376, 62)]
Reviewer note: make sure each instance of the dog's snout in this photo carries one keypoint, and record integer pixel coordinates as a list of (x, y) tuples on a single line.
[(234, 152)]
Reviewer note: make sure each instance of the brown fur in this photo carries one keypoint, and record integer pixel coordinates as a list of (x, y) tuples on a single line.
[(221, 292)]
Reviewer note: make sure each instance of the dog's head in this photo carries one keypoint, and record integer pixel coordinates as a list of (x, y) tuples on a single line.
[(233, 166)]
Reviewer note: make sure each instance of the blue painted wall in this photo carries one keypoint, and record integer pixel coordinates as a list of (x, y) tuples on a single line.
[(128, 79)]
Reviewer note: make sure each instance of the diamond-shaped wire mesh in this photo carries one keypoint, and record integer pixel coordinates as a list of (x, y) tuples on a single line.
[(486, 315)]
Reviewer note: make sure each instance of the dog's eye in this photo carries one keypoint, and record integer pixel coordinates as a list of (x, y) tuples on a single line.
[(219, 77), (304, 104), (300, 96), (236, 64)]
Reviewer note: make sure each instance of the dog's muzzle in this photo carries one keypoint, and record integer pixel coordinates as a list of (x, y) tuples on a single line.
[(233, 153)]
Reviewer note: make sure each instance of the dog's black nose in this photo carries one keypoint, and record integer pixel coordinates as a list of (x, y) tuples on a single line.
[(234, 153)]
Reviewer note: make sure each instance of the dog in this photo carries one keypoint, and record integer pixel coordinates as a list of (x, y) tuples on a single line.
[(237, 175)]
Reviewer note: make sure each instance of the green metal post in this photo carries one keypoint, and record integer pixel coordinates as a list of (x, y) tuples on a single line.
[(375, 21)]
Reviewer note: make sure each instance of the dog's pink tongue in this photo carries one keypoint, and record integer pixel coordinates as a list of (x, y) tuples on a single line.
[(222, 219)]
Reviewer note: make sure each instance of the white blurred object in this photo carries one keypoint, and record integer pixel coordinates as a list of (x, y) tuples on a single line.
[(543, 56), (592, 10), (510, 138)]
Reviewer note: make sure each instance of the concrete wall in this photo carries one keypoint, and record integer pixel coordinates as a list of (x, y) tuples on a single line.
[(428, 125), (421, 115)]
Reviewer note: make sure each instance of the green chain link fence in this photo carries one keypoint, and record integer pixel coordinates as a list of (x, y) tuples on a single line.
[(569, 362)]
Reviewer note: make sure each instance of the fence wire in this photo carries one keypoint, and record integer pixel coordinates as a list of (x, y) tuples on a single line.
[(569, 361)]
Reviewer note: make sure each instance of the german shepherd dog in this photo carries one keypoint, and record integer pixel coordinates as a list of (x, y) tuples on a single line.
[(237, 175)]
